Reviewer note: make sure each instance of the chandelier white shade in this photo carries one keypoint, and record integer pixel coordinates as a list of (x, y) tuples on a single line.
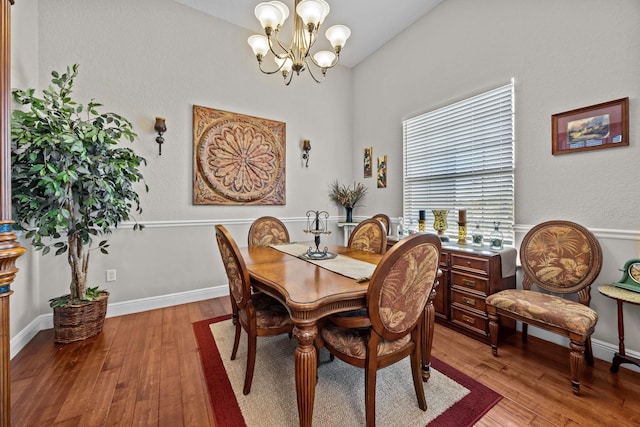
[(297, 56)]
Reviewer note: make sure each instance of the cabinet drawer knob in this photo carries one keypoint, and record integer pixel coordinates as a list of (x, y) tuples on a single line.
[(469, 301), (468, 319), (469, 283)]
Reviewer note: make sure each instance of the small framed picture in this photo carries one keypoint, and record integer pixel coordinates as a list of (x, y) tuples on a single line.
[(598, 126), (382, 172), (368, 162)]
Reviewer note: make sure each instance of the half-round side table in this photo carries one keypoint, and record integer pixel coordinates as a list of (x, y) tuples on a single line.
[(621, 296)]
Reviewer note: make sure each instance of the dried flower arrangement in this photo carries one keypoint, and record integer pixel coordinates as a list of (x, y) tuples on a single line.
[(346, 196)]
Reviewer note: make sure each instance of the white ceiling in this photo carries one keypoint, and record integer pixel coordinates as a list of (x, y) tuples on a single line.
[(372, 22)]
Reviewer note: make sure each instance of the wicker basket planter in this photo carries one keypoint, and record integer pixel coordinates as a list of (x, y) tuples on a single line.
[(78, 322)]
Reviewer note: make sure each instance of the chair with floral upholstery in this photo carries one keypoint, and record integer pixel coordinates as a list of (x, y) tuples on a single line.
[(385, 220), (257, 313), (390, 329), (561, 258), (369, 235), (267, 230)]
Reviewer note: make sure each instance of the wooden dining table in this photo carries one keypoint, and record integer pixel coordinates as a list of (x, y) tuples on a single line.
[(310, 293)]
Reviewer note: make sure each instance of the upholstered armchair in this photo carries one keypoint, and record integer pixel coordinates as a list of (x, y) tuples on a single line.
[(560, 258), (267, 230), (257, 313), (389, 330)]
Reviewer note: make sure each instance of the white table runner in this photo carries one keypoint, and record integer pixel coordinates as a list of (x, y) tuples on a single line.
[(361, 271)]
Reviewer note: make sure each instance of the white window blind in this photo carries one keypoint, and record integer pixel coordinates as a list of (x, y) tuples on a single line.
[(462, 157)]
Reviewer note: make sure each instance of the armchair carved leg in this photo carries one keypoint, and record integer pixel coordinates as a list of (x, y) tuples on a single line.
[(576, 362)]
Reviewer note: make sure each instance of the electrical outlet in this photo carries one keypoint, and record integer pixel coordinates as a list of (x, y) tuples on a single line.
[(111, 275)]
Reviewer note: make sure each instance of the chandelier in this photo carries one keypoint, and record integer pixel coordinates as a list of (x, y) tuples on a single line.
[(309, 16)]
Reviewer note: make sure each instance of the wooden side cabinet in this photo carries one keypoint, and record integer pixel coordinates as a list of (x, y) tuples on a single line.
[(469, 275)]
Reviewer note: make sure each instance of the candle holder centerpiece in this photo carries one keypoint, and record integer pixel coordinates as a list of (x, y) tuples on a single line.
[(317, 225)]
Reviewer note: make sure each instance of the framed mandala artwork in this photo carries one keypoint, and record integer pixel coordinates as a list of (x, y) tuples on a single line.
[(238, 159)]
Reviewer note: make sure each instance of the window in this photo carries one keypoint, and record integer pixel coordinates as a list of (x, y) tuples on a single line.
[(462, 157)]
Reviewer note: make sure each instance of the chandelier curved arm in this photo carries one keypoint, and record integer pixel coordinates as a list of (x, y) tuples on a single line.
[(267, 71), (286, 82), (311, 72), (285, 51)]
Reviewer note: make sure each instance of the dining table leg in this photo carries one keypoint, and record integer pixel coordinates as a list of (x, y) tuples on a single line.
[(427, 334), (306, 363)]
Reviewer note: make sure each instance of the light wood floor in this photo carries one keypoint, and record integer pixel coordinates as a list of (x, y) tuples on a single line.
[(144, 369)]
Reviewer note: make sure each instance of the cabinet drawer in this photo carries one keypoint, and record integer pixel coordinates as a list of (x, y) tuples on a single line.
[(468, 301), (469, 282), (470, 263), (472, 321)]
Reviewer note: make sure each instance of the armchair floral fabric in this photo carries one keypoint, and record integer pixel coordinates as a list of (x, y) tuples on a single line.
[(267, 231), (370, 235), (548, 309), (404, 293), (407, 287), (383, 218), (232, 269), (559, 256)]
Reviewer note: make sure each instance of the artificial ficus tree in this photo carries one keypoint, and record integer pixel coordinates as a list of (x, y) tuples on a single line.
[(71, 182)]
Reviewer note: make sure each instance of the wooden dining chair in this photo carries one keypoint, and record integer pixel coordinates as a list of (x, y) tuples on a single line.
[(385, 220), (390, 330), (369, 235), (560, 258), (267, 230), (257, 313)]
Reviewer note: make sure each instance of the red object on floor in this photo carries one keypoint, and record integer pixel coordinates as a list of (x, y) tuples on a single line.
[(466, 412)]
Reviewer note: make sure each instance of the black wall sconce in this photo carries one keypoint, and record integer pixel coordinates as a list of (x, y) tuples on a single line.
[(160, 127), (306, 147)]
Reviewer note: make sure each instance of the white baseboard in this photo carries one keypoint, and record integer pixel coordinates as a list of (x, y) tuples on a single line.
[(45, 321)]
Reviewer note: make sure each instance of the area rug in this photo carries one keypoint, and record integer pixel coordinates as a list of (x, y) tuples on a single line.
[(453, 398)]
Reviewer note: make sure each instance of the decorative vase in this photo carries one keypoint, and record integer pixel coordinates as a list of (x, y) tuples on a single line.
[(440, 222), (79, 322), (349, 214)]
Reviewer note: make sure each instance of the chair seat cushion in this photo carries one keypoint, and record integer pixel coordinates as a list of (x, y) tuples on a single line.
[(353, 342), (547, 309), (270, 313)]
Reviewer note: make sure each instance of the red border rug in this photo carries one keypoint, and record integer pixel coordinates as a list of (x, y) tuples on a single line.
[(465, 412)]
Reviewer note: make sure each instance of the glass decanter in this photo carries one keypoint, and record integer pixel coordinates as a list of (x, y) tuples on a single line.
[(401, 227), (477, 236), (496, 237)]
